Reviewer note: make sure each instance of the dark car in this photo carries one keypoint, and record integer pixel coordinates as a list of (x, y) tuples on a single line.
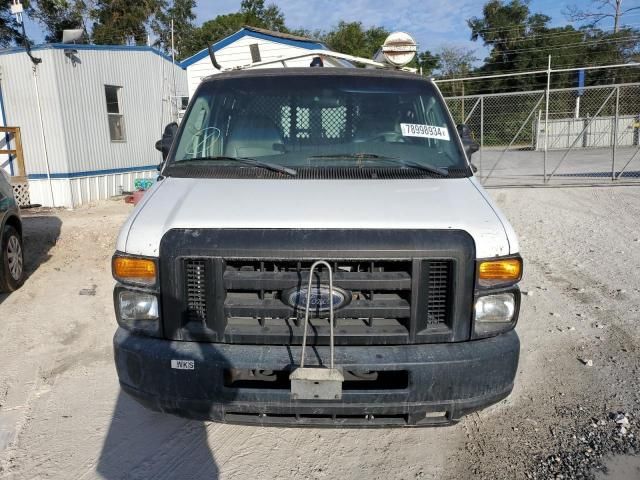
[(11, 250)]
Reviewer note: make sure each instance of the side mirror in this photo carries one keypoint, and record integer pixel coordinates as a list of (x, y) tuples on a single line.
[(164, 144), (469, 144)]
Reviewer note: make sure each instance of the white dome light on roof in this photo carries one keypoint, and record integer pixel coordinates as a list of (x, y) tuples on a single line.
[(399, 49)]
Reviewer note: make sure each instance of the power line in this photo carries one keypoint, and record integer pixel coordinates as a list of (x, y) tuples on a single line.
[(557, 34), (564, 56), (520, 72), (520, 60), (536, 72), (568, 22), (571, 45), (575, 66)]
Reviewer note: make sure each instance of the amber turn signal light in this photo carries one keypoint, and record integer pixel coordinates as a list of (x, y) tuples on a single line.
[(507, 270), (136, 270)]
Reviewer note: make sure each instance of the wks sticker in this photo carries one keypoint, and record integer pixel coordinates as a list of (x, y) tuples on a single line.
[(183, 364), (424, 131)]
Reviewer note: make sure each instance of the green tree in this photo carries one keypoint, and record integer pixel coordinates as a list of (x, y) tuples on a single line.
[(455, 62), (257, 15), (306, 33), (214, 30), (522, 41), (426, 62), (181, 13), (123, 21), (252, 13), (504, 25), (9, 29), (351, 38), (59, 15)]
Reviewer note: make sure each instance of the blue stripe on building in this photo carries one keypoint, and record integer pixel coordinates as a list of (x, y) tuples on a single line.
[(91, 173), (82, 46)]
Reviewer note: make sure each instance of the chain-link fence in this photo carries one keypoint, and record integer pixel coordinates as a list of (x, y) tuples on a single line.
[(579, 135)]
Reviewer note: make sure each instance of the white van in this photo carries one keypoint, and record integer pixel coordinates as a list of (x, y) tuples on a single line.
[(412, 308)]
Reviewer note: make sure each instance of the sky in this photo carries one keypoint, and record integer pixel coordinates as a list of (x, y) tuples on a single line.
[(433, 23)]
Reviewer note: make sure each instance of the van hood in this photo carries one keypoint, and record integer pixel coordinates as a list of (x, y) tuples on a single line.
[(459, 203)]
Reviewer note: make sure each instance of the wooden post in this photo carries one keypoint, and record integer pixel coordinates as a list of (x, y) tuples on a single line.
[(21, 175), (20, 154)]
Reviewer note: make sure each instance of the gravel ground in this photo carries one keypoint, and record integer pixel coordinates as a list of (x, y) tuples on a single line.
[(575, 409)]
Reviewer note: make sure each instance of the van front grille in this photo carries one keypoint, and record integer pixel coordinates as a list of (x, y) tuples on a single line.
[(240, 286), (438, 291), (379, 299), (195, 279)]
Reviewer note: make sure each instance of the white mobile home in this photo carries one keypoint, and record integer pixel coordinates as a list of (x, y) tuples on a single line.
[(249, 45), (89, 116)]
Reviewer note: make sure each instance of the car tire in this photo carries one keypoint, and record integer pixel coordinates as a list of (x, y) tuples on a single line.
[(11, 260)]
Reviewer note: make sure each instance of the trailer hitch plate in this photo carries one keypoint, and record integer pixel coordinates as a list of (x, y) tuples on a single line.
[(316, 384)]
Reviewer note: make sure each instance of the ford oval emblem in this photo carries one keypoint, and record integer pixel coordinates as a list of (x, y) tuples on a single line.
[(321, 298)]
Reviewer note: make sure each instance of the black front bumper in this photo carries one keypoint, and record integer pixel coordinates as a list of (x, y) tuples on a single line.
[(445, 381)]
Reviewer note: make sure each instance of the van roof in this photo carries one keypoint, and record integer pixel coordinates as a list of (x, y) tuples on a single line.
[(315, 71)]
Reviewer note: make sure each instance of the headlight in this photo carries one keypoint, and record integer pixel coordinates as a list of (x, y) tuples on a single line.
[(138, 311), (495, 308), (495, 314), (138, 305)]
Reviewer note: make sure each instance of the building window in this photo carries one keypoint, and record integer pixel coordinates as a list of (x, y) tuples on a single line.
[(114, 113)]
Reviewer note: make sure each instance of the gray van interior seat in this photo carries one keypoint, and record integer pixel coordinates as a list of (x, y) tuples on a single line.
[(253, 136)]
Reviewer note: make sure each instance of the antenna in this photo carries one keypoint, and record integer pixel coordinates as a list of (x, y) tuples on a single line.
[(212, 56), (173, 69), (17, 10)]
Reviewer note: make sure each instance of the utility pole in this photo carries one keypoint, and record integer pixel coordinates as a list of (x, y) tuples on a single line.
[(173, 71), (546, 122), (17, 10)]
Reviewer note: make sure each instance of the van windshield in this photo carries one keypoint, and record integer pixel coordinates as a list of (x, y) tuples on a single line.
[(324, 121)]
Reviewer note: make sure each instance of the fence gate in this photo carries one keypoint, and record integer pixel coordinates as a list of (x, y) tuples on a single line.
[(583, 136), (626, 155), (11, 136)]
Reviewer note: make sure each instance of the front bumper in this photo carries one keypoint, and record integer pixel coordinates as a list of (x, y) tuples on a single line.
[(445, 381)]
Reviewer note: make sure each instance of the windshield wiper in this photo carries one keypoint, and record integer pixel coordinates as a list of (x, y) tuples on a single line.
[(351, 155), (443, 172), (246, 160)]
